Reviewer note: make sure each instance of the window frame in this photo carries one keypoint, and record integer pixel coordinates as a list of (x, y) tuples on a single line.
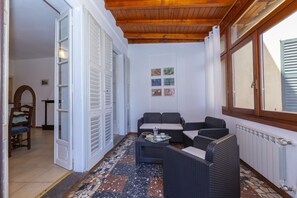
[(269, 24), (225, 57), (251, 38), (279, 119)]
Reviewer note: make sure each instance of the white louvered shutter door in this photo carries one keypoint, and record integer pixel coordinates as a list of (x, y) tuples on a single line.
[(95, 92), (107, 48)]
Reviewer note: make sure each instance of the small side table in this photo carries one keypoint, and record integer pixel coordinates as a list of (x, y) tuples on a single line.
[(149, 152), (46, 126)]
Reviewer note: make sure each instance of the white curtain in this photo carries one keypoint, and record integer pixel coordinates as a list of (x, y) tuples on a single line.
[(213, 73)]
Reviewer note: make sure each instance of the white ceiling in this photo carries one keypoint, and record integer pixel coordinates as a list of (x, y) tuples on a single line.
[(32, 29)]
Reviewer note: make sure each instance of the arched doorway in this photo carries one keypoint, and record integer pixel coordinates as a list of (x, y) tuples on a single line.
[(18, 97)]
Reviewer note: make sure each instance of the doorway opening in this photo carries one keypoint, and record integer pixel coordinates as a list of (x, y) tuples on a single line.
[(34, 50), (118, 100)]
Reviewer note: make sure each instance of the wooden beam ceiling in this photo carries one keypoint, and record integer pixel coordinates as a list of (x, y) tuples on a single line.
[(164, 36), (159, 4), (139, 41), (174, 22), (167, 21)]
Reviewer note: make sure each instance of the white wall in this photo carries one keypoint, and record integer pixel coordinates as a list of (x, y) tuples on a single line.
[(30, 72), (188, 60)]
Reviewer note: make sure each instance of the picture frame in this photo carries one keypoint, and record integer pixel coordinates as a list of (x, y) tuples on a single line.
[(156, 92), (168, 71), (169, 82), (156, 72), (156, 82), (44, 82), (169, 91)]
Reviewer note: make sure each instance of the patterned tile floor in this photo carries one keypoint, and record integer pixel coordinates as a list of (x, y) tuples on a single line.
[(118, 176)]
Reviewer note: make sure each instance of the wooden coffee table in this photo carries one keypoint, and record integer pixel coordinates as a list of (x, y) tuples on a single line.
[(149, 152)]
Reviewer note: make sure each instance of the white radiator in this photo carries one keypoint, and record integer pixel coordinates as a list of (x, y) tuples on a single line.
[(263, 152)]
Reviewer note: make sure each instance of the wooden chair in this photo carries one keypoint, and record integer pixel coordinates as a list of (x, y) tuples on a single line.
[(19, 124)]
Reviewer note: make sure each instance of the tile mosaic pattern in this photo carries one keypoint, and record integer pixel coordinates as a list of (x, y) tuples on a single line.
[(118, 177)]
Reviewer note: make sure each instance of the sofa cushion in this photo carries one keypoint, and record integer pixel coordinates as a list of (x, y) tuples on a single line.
[(152, 118), (170, 118), (214, 122), (191, 134), (171, 126), (150, 126), (195, 151)]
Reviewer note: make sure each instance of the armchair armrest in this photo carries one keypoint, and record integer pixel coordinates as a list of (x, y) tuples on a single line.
[(201, 142), (194, 126), (182, 122), (139, 123), (185, 175), (215, 133)]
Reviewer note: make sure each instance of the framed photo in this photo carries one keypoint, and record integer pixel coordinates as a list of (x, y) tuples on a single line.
[(169, 92), (156, 82), (156, 72), (44, 82), (156, 92), (168, 71), (168, 81)]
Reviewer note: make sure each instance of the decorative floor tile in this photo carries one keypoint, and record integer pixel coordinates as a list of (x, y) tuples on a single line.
[(155, 187), (118, 176), (127, 159), (113, 183)]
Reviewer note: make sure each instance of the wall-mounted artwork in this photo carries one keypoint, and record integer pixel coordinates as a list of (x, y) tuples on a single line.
[(44, 82), (163, 80), (156, 72), (169, 92), (168, 81), (168, 71), (156, 82), (156, 92)]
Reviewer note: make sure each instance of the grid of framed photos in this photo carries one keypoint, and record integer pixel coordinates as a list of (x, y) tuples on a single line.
[(163, 81)]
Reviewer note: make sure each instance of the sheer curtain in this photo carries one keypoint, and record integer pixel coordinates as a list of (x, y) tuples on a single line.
[(213, 73)]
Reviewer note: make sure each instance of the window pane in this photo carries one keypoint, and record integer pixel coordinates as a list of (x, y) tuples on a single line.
[(63, 74), (253, 15), (279, 66), (242, 62), (63, 28), (63, 98), (63, 126), (223, 83), (63, 51)]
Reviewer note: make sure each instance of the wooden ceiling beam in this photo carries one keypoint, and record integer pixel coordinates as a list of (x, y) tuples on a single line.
[(159, 4), (163, 36), (174, 22), (142, 41)]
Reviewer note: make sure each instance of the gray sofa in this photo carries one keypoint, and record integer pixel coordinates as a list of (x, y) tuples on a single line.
[(170, 123), (211, 127), (209, 169)]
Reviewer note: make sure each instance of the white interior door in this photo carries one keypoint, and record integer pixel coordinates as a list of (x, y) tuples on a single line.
[(95, 92), (63, 91)]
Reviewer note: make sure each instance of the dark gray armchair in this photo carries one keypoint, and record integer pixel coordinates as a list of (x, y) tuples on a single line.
[(212, 127), (217, 175)]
